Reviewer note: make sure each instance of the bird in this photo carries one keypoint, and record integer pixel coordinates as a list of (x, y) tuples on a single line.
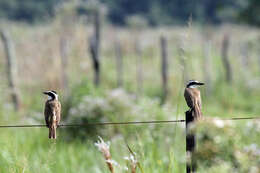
[(52, 112), (193, 99)]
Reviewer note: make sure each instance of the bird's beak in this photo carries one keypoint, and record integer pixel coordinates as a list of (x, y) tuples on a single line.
[(44, 92), (200, 83)]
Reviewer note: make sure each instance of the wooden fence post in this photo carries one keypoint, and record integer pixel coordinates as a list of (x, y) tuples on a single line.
[(94, 43), (190, 144), (11, 68), (64, 50), (119, 64), (245, 55), (164, 67), (182, 56), (258, 52), (207, 65), (139, 68), (226, 62), (245, 60), (259, 59), (67, 17)]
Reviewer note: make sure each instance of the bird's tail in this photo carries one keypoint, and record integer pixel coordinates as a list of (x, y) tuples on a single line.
[(52, 129), (52, 132), (196, 112)]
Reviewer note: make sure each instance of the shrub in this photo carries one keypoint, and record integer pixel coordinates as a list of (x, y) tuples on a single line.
[(218, 148)]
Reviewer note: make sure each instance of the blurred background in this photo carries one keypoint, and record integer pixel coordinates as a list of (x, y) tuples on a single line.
[(129, 60)]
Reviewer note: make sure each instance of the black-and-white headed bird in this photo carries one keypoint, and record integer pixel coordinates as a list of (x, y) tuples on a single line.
[(52, 113), (193, 99)]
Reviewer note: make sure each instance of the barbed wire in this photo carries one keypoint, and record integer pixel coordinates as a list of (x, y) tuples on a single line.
[(98, 124), (124, 123), (240, 118)]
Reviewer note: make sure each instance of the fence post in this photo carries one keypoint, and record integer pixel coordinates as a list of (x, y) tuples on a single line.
[(245, 55), (207, 65), (226, 62), (259, 58), (139, 67), (119, 64), (164, 67), (94, 44), (64, 50), (183, 62), (11, 68), (190, 144)]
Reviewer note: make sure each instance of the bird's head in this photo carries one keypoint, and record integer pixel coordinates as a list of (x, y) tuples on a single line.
[(193, 84), (52, 95)]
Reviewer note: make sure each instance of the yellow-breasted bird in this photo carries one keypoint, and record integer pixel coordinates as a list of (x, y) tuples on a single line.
[(52, 113), (193, 99)]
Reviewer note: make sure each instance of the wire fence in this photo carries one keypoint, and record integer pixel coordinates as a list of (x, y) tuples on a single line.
[(124, 123)]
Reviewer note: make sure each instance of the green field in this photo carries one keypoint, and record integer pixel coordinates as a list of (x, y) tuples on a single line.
[(223, 146)]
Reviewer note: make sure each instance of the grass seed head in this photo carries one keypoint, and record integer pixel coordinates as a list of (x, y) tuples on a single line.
[(103, 147)]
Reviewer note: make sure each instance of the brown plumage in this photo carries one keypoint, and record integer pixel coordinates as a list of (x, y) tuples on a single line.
[(193, 99), (52, 113)]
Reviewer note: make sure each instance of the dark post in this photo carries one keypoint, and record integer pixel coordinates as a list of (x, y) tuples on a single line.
[(226, 62), (94, 43), (11, 68), (190, 144), (119, 64), (164, 67)]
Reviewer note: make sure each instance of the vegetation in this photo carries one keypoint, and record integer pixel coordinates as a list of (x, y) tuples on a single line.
[(222, 146), (154, 12), (27, 10)]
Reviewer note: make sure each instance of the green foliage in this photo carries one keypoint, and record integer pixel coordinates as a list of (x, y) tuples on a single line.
[(27, 10), (221, 146), (159, 147), (251, 13), (112, 106), (153, 12), (172, 11)]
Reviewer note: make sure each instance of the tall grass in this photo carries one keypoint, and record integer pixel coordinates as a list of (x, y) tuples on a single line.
[(159, 148)]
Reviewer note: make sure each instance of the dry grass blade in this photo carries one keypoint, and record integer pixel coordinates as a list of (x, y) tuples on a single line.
[(134, 161), (104, 149)]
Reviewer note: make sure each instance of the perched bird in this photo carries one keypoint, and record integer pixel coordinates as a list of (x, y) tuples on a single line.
[(193, 99), (52, 113)]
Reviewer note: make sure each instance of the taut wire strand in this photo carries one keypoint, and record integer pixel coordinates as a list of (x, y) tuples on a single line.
[(124, 123), (98, 123)]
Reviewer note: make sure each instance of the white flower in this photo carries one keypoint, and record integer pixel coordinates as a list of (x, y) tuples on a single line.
[(132, 159), (103, 147), (254, 169), (219, 123), (113, 162), (254, 149), (217, 139)]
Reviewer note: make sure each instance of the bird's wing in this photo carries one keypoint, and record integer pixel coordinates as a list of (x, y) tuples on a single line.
[(58, 112), (199, 102), (188, 97), (197, 106), (47, 113)]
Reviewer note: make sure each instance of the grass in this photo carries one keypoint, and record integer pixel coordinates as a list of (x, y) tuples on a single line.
[(30, 150), (159, 148)]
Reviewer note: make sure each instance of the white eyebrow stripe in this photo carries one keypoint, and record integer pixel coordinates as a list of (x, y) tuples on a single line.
[(55, 95)]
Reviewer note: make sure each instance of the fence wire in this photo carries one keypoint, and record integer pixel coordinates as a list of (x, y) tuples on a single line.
[(123, 123)]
